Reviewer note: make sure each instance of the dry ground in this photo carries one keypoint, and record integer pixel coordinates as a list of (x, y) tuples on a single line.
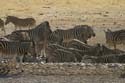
[(62, 79)]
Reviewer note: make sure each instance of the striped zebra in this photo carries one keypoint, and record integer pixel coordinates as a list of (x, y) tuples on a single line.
[(25, 35), (107, 51), (54, 39), (41, 36), (115, 37), (11, 50), (19, 22), (110, 58), (87, 49), (78, 53), (2, 26), (61, 55), (19, 36), (80, 32)]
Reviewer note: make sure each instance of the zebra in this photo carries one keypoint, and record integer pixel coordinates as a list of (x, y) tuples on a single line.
[(87, 49), (60, 55), (107, 55), (25, 35), (38, 35), (115, 37), (10, 50), (19, 22), (41, 36), (19, 36), (4, 39), (2, 26), (78, 53), (107, 51), (80, 32), (110, 58), (54, 39)]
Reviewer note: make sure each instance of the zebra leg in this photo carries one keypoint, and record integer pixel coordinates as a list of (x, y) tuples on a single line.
[(3, 29), (114, 46), (21, 61), (44, 48), (37, 50), (15, 27)]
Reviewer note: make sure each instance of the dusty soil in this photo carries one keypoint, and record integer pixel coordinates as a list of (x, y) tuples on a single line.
[(62, 79), (67, 73)]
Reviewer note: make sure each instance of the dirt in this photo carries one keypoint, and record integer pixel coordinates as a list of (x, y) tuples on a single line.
[(62, 79)]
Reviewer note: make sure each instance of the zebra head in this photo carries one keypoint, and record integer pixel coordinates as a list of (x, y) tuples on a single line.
[(90, 32), (9, 19), (108, 36), (87, 32)]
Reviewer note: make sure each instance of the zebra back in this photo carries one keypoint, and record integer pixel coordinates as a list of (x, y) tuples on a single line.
[(81, 33), (1, 23), (87, 49), (26, 22)]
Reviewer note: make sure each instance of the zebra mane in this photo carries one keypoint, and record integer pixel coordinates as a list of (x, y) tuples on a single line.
[(63, 50), (78, 41)]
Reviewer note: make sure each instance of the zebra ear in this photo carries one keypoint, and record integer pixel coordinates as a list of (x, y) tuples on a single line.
[(105, 31), (109, 30)]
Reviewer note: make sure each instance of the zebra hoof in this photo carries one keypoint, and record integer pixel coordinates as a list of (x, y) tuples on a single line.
[(22, 70)]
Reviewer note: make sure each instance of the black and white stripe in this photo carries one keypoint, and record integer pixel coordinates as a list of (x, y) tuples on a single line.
[(87, 49), (61, 55), (80, 32), (20, 22), (39, 35), (115, 37), (10, 50), (2, 26)]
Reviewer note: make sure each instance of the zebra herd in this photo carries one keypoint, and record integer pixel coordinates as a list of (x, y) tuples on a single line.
[(60, 45)]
